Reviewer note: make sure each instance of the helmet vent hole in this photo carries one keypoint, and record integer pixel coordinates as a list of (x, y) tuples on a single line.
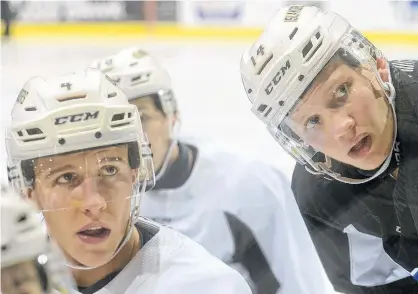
[(136, 78), (307, 49), (119, 116), (263, 66), (261, 108), (111, 95), (22, 218), (268, 112), (34, 131), (30, 108), (293, 33), (120, 120), (69, 98), (30, 135), (312, 52)]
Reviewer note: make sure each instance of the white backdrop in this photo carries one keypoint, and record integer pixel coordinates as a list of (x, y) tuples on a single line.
[(399, 15)]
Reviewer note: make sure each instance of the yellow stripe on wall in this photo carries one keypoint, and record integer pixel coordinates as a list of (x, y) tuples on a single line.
[(140, 29)]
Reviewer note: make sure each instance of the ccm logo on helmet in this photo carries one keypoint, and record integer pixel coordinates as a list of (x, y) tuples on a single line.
[(76, 117), (277, 78)]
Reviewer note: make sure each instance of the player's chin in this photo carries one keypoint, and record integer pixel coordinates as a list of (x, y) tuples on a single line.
[(96, 254), (95, 258), (371, 162)]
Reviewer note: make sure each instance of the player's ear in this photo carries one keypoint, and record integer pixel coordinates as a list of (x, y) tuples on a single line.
[(383, 69), (32, 196), (135, 175), (29, 193)]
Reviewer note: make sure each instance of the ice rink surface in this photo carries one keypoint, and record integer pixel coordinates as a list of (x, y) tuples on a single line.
[(206, 82)]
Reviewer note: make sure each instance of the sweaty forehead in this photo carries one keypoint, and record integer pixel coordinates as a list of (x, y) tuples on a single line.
[(81, 157), (144, 103)]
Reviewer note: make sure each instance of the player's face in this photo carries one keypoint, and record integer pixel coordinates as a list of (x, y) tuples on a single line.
[(156, 125), (22, 278), (346, 116), (88, 197)]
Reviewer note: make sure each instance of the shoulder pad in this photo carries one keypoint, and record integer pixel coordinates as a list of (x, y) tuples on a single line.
[(408, 66)]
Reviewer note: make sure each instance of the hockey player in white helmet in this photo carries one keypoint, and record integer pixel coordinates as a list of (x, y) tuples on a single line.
[(78, 151), (30, 262), (241, 210), (327, 95)]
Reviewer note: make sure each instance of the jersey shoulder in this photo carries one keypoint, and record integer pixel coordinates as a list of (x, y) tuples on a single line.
[(205, 272), (189, 268), (408, 66), (240, 180), (172, 263), (321, 198)]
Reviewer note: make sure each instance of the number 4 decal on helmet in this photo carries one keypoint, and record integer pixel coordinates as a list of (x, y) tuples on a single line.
[(260, 60)]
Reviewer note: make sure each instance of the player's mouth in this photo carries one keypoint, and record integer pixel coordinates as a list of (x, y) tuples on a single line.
[(361, 148), (93, 234)]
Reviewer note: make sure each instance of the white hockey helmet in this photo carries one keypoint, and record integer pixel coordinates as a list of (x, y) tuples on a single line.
[(139, 74), (279, 67), (74, 113), (25, 247), (86, 119)]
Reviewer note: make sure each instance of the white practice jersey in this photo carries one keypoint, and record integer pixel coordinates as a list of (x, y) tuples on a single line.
[(244, 213), (168, 263)]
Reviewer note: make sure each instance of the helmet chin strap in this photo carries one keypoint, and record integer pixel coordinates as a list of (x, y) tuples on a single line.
[(324, 168), (174, 130), (134, 215)]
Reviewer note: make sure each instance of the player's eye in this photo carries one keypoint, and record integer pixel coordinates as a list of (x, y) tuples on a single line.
[(66, 178), (109, 170), (341, 93), (312, 122)]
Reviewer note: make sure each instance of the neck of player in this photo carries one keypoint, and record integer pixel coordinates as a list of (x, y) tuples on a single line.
[(175, 153)]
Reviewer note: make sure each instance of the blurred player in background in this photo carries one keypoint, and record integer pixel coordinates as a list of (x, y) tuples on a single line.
[(77, 150), (242, 211), (6, 17), (30, 264), (350, 119)]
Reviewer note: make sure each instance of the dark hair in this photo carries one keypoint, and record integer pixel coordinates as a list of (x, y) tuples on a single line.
[(156, 99), (157, 102)]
